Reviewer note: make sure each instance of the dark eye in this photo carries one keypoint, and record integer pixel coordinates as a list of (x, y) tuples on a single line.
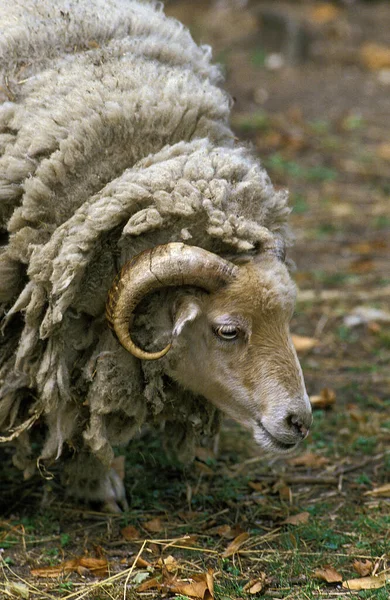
[(227, 332)]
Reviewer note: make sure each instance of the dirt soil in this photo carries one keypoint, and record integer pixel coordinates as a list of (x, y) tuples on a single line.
[(311, 87)]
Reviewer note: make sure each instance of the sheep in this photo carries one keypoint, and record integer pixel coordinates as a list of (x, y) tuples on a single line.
[(116, 156)]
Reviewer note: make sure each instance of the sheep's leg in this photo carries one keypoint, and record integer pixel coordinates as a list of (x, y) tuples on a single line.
[(87, 478)]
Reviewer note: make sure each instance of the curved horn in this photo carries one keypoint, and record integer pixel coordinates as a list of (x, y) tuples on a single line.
[(171, 264)]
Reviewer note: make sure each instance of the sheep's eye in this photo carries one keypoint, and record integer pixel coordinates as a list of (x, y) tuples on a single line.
[(227, 332)]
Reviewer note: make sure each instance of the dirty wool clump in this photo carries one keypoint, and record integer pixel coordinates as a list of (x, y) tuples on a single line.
[(114, 138)]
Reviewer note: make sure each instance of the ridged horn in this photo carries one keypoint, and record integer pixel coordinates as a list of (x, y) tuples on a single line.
[(172, 264)]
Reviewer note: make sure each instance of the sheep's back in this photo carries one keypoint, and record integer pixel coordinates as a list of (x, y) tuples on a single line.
[(121, 81)]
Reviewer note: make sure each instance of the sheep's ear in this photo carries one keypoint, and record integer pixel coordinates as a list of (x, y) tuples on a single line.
[(186, 311)]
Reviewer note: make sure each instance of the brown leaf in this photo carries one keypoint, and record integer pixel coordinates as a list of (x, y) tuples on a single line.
[(325, 399), (224, 531), (228, 532), (361, 265), (169, 563), (324, 13), (236, 544), (298, 519), (367, 583), (150, 584), (200, 585), (203, 468), (363, 567), (254, 586), (97, 566), (154, 525), (81, 565), (258, 486), (303, 343), (141, 563), (328, 574), (368, 246), (130, 533), (383, 151), (375, 56), (383, 490), (55, 571), (309, 459), (285, 492)]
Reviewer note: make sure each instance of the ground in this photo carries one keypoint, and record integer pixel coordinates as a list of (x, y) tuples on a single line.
[(311, 94)]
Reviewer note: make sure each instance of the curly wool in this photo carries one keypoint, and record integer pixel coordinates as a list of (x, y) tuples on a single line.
[(114, 138)]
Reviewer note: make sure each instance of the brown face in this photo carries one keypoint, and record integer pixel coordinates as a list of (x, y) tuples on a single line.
[(234, 348)]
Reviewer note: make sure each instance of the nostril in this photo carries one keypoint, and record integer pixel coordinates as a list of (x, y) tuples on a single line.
[(294, 422)]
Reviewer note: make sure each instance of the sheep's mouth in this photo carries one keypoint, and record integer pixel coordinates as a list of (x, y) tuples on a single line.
[(273, 441)]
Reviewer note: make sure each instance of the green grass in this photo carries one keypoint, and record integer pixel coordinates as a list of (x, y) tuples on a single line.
[(280, 166)]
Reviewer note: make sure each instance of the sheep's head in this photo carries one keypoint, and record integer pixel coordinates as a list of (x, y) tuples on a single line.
[(231, 344)]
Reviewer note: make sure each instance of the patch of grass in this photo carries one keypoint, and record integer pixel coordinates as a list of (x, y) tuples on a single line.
[(320, 126), (347, 334), (332, 279), (283, 167), (321, 173), (258, 57), (229, 589), (279, 165), (381, 594), (256, 121), (381, 222), (353, 122), (363, 479), (299, 204), (366, 445)]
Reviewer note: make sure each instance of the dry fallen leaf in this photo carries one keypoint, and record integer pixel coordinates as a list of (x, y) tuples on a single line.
[(169, 563), (236, 544), (224, 531), (284, 490), (82, 565), (328, 574), (201, 467), (367, 583), (298, 519), (383, 490), (324, 13), (363, 567), (155, 582), (200, 585), (154, 525), (383, 151), (375, 56), (325, 399), (228, 532), (303, 343), (255, 586), (130, 533), (140, 562), (309, 459), (258, 486)]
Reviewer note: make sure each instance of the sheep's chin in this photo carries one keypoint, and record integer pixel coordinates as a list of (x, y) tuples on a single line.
[(269, 443)]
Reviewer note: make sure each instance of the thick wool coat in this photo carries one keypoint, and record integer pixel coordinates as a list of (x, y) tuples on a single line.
[(114, 137)]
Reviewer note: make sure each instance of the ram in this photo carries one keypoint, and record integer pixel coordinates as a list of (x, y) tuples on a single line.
[(116, 156)]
